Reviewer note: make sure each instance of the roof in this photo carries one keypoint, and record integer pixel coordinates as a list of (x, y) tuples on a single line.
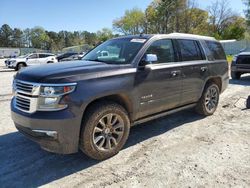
[(190, 36), (142, 36), (171, 35)]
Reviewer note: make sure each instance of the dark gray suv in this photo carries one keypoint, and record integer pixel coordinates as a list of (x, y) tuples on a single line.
[(240, 65), (91, 104)]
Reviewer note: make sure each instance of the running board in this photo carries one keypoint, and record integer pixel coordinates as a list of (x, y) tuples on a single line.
[(149, 118)]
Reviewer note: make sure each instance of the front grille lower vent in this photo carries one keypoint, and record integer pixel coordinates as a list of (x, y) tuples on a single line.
[(22, 103)]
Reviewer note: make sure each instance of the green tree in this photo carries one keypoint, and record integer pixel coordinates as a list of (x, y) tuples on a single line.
[(27, 38), (39, 38), (224, 23), (194, 20), (235, 28), (133, 22), (17, 38), (6, 34), (165, 16), (247, 11), (104, 34)]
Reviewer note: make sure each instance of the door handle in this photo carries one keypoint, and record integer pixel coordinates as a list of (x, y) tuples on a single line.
[(175, 73), (203, 69)]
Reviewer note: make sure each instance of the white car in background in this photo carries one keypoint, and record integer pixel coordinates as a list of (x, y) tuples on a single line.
[(30, 60)]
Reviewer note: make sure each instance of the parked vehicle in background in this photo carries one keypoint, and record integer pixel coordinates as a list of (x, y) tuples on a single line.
[(70, 58), (81, 55), (240, 65), (65, 55), (29, 60), (91, 104)]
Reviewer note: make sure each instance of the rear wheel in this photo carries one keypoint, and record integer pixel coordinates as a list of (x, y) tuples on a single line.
[(209, 100), (105, 130), (235, 75)]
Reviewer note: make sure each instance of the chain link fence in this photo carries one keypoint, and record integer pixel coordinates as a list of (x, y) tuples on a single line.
[(235, 47)]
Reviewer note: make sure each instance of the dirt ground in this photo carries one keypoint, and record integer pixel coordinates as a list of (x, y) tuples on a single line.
[(180, 150)]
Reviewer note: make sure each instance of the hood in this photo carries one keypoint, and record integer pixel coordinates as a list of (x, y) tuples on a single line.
[(18, 59), (64, 71)]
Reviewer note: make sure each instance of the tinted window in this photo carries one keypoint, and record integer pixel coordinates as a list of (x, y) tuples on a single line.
[(216, 50), (190, 50), (33, 56), (163, 49), (43, 55)]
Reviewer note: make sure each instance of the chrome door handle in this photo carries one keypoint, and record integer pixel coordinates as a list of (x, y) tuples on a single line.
[(203, 69), (175, 73)]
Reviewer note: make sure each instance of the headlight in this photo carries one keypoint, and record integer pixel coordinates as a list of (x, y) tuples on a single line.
[(12, 62), (50, 96), (48, 91)]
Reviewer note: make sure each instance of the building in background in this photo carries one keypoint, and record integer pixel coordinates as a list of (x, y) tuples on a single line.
[(10, 52)]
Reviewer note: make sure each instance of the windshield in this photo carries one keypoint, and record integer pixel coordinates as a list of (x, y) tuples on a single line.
[(22, 56), (116, 51)]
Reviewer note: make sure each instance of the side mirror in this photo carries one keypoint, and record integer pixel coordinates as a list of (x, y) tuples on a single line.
[(151, 58), (147, 60)]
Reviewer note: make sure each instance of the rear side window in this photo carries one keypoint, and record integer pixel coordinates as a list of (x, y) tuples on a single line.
[(216, 50), (189, 50), (43, 55), (163, 49)]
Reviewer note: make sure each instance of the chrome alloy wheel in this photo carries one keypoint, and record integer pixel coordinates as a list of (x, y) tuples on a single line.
[(211, 99), (108, 132)]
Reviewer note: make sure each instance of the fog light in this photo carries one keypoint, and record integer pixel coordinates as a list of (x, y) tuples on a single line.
[(51, 100)]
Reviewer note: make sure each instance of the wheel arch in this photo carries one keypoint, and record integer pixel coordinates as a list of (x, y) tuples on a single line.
[(216, 80), (18, 63), (120, 99), (22, 62)]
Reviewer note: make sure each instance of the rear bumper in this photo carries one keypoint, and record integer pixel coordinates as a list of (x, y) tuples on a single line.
[(57, 132)]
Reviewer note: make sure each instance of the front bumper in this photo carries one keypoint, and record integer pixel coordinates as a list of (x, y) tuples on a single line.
[(9, 64), (240, 68), (56, 132)]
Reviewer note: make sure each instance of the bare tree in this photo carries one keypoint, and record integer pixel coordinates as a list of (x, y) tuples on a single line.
[(220, 13)]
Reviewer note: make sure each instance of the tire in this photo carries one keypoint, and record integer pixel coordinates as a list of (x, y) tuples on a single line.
[(248, 103), (235, 75), (50, 62), (19, 66), (98, 138), (209, 100)]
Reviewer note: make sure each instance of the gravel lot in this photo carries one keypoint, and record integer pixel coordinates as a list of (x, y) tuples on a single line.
[(181, 150)]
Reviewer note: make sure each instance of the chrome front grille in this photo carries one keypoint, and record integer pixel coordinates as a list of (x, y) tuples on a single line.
[(23, 103), (26, 95), (23, 87)]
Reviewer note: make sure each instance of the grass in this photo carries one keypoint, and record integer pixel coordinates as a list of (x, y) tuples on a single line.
[(229, 59)]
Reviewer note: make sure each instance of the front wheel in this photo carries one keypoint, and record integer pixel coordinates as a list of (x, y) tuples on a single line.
[(19, 66), (105, 130), (209, 100)]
